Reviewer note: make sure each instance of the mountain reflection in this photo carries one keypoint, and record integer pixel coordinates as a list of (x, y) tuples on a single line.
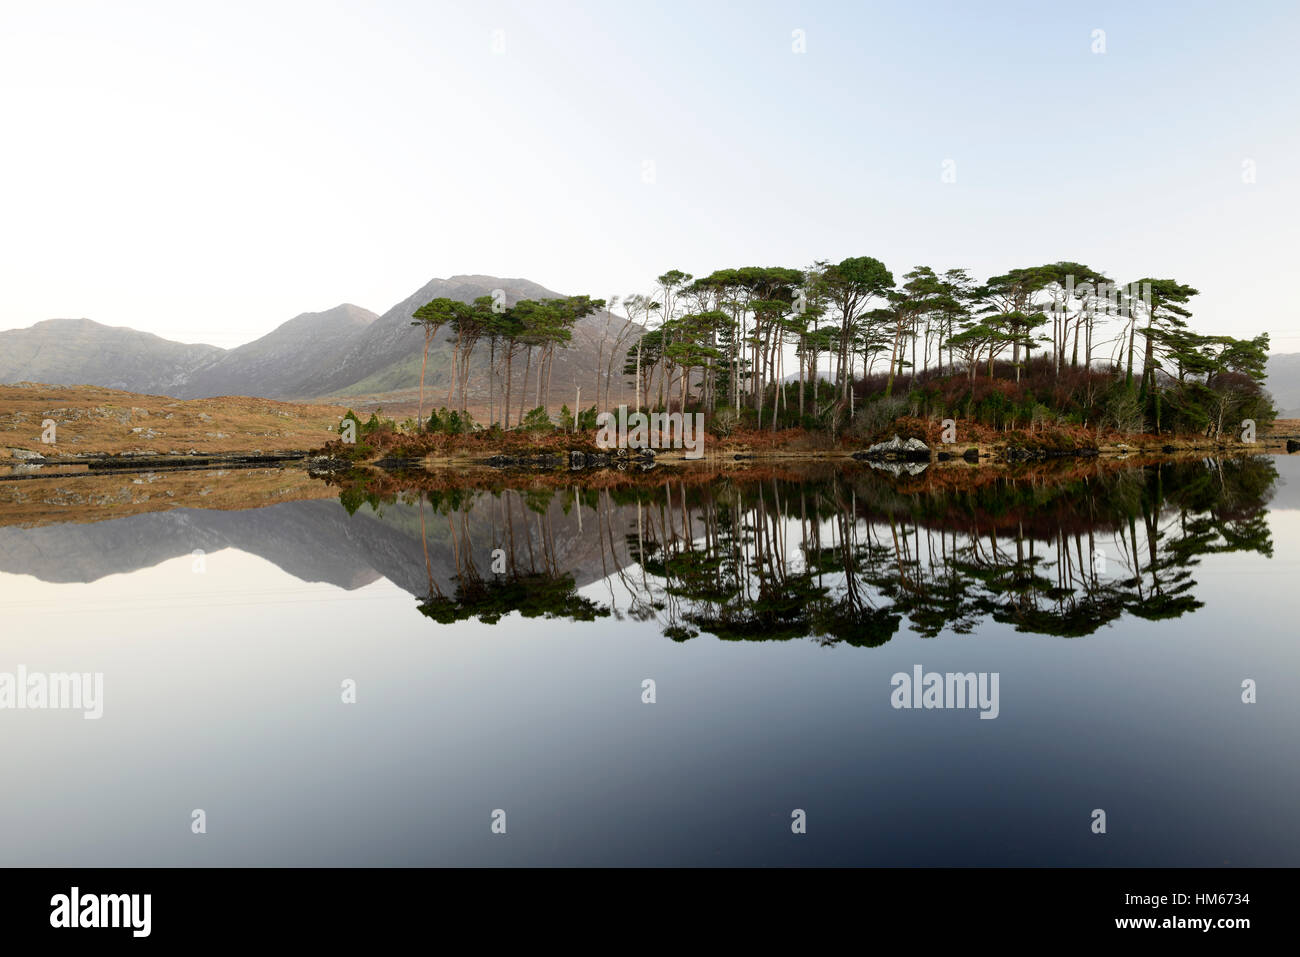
[(839, 557)]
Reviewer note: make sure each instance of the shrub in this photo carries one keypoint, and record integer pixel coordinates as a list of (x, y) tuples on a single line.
[(1124, 411), (877, 416), (724, 421), (537, 421), (450, 423)]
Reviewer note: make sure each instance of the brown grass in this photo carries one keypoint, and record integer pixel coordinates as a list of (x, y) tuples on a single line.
[(94, 420)]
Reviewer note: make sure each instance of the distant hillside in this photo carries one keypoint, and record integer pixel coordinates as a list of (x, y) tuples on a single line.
[(387, 355), (283, 362), (344, 352), (81, 352), (1284, 384)]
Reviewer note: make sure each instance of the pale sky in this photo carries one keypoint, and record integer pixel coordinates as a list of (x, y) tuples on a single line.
[(205, 171)]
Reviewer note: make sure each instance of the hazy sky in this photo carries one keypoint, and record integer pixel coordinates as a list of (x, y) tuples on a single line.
[(206, 171)]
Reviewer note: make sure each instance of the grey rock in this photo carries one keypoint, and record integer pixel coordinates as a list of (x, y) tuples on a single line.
[(897, 450)]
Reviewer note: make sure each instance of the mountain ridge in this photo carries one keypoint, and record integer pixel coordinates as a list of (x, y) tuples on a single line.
[(343, 351)]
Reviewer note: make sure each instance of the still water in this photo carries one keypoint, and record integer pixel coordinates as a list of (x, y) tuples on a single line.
[(498, 644)]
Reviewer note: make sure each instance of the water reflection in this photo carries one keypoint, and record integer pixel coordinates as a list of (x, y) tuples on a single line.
[(839, 557)]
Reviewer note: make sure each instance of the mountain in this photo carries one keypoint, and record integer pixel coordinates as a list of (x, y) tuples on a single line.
[(317, 541), (283, 362), (1284, 383), (343, 352), (387, 356), (81, 352)]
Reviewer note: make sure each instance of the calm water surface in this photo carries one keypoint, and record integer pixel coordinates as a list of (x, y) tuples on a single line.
[(499, 642)]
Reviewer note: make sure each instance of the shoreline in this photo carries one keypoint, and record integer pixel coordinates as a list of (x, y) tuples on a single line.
[(963, 455), (232, 482), (490, 461)]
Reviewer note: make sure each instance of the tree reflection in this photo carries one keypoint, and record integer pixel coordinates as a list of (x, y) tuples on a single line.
[(844, 558), (524, 574)]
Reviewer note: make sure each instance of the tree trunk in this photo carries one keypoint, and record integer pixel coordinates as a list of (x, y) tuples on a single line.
[(893, 358), (419, 415), (455, 367), (638, 372), (802, 358), (550, 364), (510, 354), (541, 363), (464, 379), (1132, 331)]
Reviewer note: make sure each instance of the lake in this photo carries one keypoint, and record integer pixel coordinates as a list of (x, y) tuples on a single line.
[(685, 667)]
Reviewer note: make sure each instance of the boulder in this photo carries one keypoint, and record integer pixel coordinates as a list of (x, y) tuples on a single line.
[(326, 464), (897, 450)]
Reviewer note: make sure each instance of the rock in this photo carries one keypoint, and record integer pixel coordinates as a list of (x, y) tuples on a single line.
[(24, 454), (322, 464), (894, 445), (971, 455), (898, 450), (1292, 445), (1168, 450), (577, 461)]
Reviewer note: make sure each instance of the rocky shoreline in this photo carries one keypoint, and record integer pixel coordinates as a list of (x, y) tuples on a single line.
[(26, 464), (895, 455)]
